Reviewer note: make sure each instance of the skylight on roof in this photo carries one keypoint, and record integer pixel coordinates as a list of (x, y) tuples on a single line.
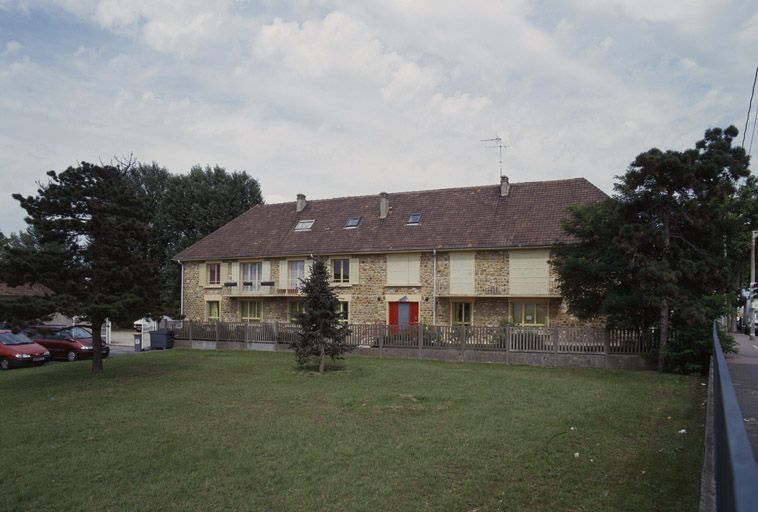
[(414, 218), (304, 225), (353, 222)]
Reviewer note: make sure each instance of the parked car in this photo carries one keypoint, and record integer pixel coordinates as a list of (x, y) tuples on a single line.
[(16, 349), (151, 324), (70, 343)]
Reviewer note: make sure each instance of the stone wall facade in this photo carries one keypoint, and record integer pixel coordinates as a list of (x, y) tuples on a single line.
[(369, 299)]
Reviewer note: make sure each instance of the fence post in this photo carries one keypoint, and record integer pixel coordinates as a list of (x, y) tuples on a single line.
[(189, 323), (508, 331), (276, 332), (462, 338), (217, 333), (555, 334), (606, 345), (420, 338), (381, 341)]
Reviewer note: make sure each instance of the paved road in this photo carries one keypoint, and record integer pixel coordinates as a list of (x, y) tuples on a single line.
[(743, 367)]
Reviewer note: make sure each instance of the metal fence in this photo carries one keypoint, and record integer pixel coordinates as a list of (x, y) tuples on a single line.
[(559, 340), (736, 472)]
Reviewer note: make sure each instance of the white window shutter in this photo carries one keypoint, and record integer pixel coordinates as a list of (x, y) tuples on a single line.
[(202, 277), (355, 274), (235, 277), (266, 271), (283, 277), (414, 269)]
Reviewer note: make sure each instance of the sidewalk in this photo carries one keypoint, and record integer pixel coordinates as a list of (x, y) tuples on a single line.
[(743, 367)]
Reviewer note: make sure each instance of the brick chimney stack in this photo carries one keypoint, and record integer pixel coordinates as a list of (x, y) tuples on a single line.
[(300, 203), (384, 205), (505, 186)]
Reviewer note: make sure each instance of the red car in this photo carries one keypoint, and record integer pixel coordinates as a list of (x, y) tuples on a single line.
[(70, 343), (18, 350)]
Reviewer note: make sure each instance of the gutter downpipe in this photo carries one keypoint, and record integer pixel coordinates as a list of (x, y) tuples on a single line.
[(181, 292), (434, 288)]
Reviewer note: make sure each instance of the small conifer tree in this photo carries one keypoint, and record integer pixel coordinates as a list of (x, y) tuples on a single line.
[(321, 330)]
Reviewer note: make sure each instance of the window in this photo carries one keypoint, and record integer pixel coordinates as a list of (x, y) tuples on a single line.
[(462, 313), (414, 218), (295, 308), (296, 271), (341, 271), (250, 311), (212, 311), (403, 269), (213, 273), (529, 313), (251, 277), (344, 311), (353, 222), (304, 225)]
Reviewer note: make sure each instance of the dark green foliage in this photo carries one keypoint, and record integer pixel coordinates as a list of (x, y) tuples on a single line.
[(87, 242), (321, 332), (185, 208), (662, 251)]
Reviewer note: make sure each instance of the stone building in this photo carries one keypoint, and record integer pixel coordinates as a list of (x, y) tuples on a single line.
[(474, 255)]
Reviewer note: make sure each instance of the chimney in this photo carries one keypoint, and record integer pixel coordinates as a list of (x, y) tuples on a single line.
[(505, 186), (384, 205), (300, 203)]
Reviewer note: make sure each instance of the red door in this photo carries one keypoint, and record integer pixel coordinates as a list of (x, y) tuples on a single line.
[(403, 313)]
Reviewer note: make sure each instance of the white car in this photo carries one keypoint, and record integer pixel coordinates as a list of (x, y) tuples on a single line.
[(149, 323)]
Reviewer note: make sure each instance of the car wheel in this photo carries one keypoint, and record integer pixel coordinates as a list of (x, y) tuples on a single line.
[(72, 356), (4, 364)]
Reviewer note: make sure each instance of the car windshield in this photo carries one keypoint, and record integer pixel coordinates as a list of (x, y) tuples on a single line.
[(8, 338), (80, 333)]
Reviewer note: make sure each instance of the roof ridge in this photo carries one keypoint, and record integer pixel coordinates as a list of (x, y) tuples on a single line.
[(362, 196)]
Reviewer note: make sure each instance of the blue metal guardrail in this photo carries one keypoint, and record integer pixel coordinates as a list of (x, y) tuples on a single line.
[(735, 466)]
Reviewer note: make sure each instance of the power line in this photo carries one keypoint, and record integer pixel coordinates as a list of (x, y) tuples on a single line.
[(750, 105)]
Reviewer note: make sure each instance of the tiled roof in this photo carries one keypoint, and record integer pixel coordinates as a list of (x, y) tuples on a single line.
[(24, 290), (455, 218)]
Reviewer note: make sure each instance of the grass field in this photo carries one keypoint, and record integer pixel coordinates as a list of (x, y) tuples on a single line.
[(190, 430)]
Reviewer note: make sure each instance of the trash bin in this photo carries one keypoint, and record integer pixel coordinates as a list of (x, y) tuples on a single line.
[(138, 343), (162, 338)]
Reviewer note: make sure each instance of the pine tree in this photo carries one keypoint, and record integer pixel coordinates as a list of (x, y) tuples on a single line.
[(91, 234), (321, 332)]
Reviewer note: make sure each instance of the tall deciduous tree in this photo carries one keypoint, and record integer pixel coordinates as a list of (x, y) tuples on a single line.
[(321, 330), (661, 249), (91, 238), (185, 208)]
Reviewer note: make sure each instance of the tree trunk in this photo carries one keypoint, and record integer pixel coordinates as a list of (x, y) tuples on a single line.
[(323, 358), (97, 349), (664, 334)]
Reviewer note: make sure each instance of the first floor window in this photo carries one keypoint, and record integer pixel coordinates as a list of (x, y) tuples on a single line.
[(462, 313), (251, 277), (341, 271), (213, 273), (296, 273), (212, 311), (250, 311), (529, 313), (344, 311), (295, 308)]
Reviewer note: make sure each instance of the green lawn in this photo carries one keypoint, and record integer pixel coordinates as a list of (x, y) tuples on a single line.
[(191, 430)]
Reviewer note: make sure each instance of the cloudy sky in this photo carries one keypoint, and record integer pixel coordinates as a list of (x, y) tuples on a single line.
[(334, 98)]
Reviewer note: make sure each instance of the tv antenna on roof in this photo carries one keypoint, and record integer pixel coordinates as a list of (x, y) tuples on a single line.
[(497, 142)]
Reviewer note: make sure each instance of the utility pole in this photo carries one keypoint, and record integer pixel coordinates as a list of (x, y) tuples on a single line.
[(751, 315)]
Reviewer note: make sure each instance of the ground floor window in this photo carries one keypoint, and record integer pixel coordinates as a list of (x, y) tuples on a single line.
[(462, 313), (250, 311), (212, 311), (295, 308), (529, 313), (344, 311)]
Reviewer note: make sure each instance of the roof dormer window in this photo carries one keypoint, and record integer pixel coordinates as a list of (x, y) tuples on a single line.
[(304, 225), (414, 219), (353, 222)]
